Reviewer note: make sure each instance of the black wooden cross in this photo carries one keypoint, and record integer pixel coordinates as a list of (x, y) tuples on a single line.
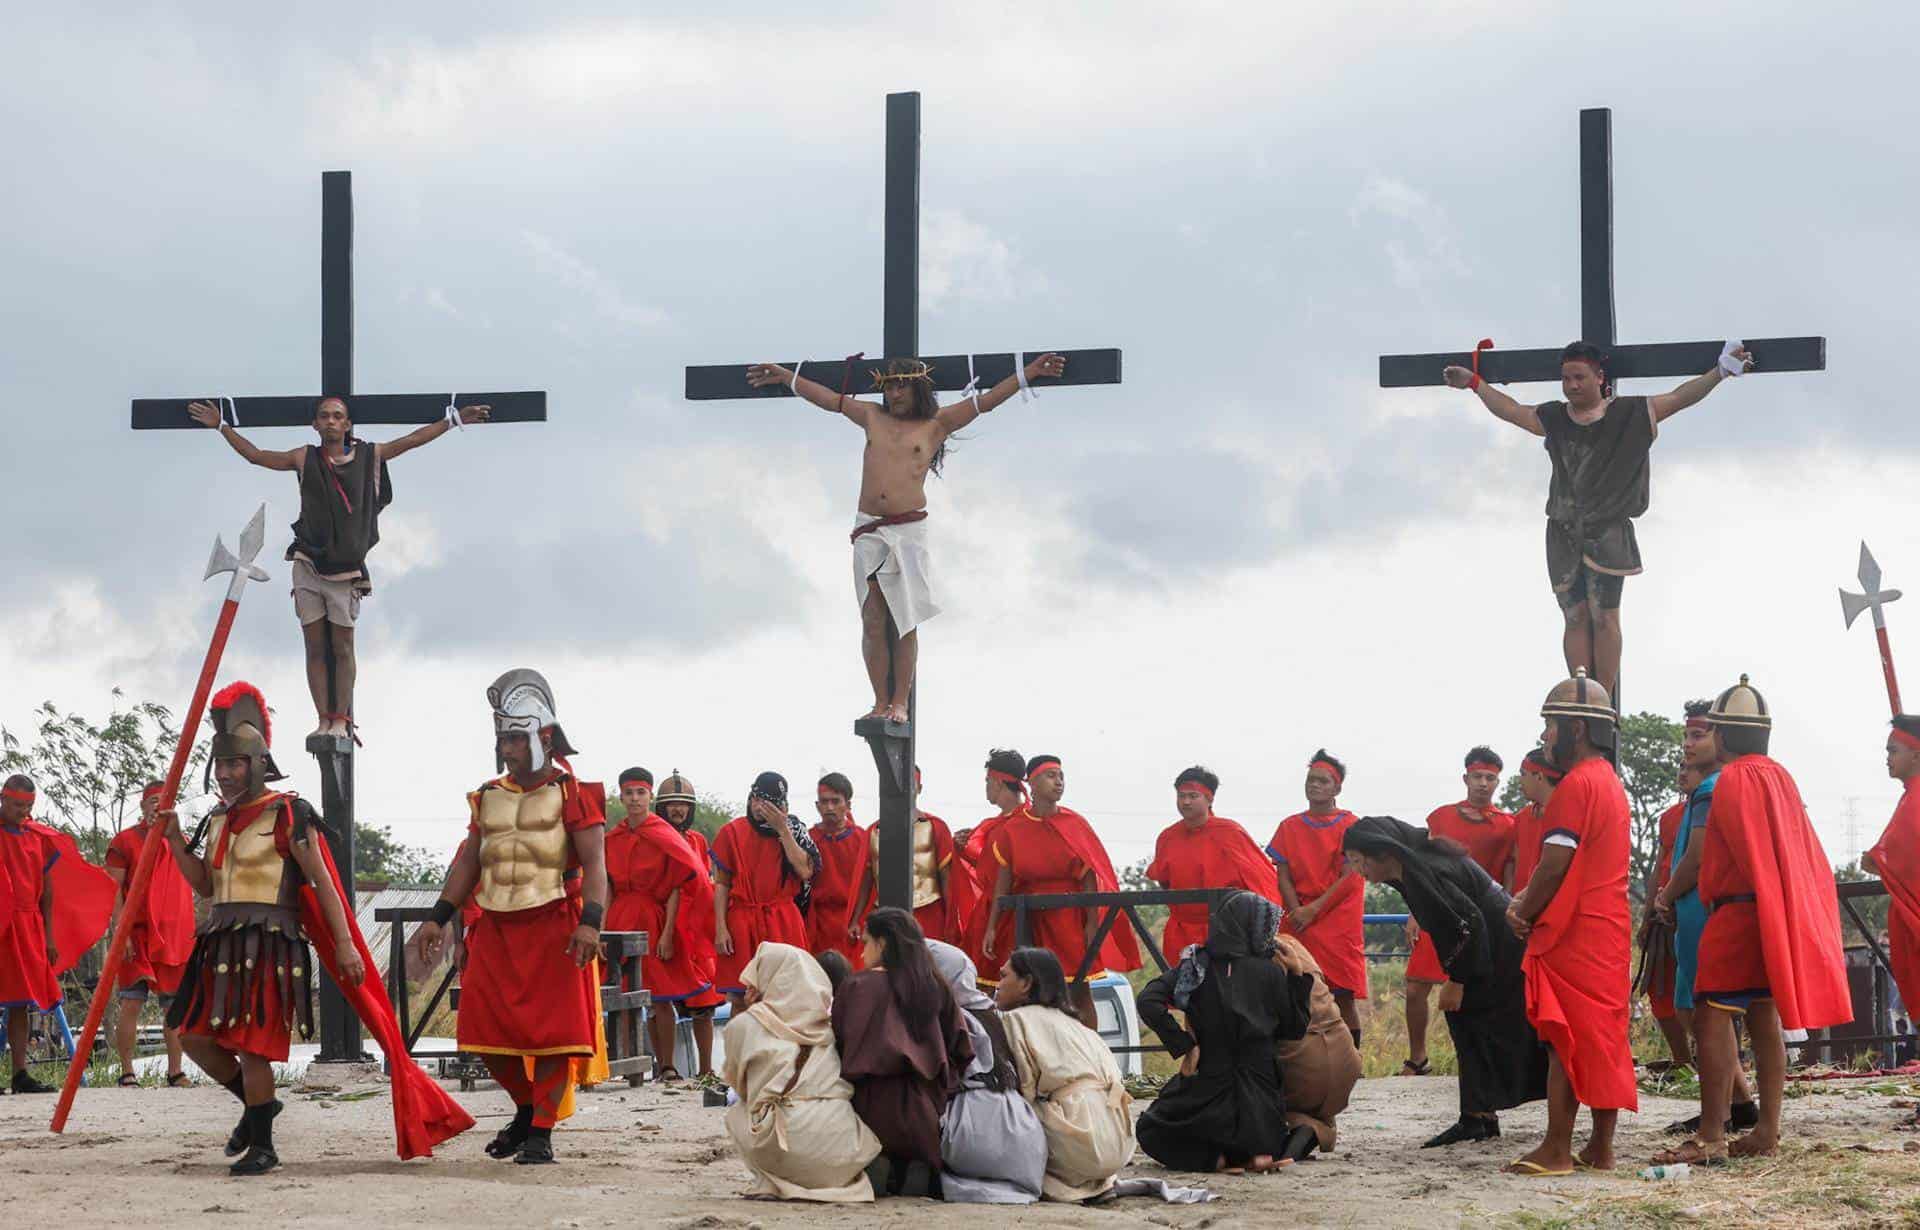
[(892, 743), (339, 1026), (1770, 354)]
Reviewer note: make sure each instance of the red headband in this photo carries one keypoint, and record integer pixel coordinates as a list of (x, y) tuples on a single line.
[(18, 796), (1042, 767), (637, 781), (822, 792), (1912, 741), (1483, 766), (1190, 784), (1339, 778), (150, 791)]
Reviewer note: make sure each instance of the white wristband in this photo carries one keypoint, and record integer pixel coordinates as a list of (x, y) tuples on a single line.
[(453, 412), (230, 412), (973, 388), (793, 385), (1731, 364), (1020, 374)]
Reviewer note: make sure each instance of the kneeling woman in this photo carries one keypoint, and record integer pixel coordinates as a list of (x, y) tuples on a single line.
[(1225, 1110), (1502, 1063), (903, 1045), (1068, 1073), (991, 1142), (794, 1123)]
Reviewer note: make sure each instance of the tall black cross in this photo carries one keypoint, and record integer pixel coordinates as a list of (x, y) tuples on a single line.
[(339, 1027), (892, 743), (1643, 359)]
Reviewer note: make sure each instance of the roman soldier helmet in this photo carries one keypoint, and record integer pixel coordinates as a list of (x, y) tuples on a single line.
[(522, 701), (241, 727), (1580, 697), (1741, 720), (673, 789)]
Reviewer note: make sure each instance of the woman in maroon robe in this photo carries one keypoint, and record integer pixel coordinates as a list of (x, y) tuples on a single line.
[(903, 1045)]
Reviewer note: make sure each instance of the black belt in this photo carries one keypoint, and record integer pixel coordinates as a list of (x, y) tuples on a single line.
[(1736, 899)]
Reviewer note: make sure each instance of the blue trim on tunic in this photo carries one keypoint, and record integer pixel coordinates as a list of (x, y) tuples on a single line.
[(1689, 912)]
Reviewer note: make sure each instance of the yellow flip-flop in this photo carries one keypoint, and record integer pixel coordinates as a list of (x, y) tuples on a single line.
[(1533, 1170)]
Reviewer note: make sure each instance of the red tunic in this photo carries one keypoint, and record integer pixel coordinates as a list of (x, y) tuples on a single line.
[(1526, 846), (646, 864), (1054, 854), (521, 994), (1216, 854), (1489, 842), (161, 939), (1579, 961), (843, 861), (1784, 942), (1310, 848), (1897, 855), (978, 854), (1660, 989), (26, 976), (760, 901)]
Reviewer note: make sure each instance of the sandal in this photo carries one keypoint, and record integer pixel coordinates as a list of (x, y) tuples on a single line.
[(1534, 1170), (667, 1073), (1410, 1068), (128, 1081), (1694, 1153), (179, 1080)]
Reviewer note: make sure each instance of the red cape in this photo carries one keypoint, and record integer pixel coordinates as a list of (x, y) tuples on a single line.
[(167, 913), (1219, 854), (424, 1115), (1757, 812), (83, 897), (1897, 855)]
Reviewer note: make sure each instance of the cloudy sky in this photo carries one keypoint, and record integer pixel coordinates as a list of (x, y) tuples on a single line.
[(1245, 551)]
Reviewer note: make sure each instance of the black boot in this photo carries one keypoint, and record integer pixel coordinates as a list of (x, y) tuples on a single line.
[(507, 1141), (260, 1156), (1301, 1141), (537, 1149), (23, 1082), (237, 1139), (1466, 1128)]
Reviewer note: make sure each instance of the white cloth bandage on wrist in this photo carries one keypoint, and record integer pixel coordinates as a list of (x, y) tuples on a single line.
[(793, 385), (230, 412), (1020, 374), (973, 388), (1730, 363), (453, 412)]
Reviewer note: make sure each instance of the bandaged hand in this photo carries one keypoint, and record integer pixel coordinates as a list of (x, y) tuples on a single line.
[(1734, 360)]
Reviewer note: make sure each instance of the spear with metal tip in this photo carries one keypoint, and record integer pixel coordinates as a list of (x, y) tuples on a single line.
[(1874, 599), (243, 569)]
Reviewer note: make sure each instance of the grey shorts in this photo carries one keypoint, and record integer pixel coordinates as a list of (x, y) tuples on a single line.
[(140, 992), (316, 598)]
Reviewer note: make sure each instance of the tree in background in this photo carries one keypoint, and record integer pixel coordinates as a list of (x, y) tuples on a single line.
[(1873, 909), (377, 856), (89, 774)]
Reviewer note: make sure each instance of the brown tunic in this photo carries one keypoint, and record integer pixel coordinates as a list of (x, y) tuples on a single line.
[(903, 1072), (1602, 479)]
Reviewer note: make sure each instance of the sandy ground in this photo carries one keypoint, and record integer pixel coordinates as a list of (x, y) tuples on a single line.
[(656, 1157)]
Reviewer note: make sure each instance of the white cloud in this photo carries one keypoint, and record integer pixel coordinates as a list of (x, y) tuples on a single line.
[(552, 260), (961, 260)]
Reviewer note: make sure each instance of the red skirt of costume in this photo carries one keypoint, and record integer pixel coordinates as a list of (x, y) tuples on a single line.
[(26, 976), (1310, 847), (1216, 854), (1489, 842), (978, 855), (249, 984), (1897, 855), (1579, 960), (1773, 915), (521, 994), (1054, 855), (843, 861), (760, 899)]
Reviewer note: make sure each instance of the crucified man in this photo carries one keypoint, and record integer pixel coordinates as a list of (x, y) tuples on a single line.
[(343, 487), (907, 433), (1599, 445)]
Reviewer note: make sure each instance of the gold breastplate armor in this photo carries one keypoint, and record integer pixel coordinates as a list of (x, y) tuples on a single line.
[(523, 848), (253, 870), (926, 871)]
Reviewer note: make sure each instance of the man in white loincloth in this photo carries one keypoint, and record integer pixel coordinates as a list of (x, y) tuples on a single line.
[(906, 437)]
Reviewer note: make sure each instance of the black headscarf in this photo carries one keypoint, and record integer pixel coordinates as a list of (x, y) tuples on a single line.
[(1244, 926), (773, 788), (1441, 907)]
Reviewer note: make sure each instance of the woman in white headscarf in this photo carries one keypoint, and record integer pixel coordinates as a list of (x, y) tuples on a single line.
[(992, 1147), (794, 1123)]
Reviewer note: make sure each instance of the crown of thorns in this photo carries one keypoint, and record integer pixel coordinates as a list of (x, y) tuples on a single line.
[(925, 372)]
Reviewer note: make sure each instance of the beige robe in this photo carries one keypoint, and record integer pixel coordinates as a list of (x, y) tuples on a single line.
[(805, 1143), (1069, 1075), (1318, 1071)]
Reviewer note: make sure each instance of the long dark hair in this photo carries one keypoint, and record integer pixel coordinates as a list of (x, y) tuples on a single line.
[(916, 986), (926, 404), (1046, 981), (834, 964)]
